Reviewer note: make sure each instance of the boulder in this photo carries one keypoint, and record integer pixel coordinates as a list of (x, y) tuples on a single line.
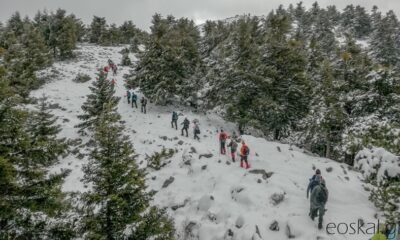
[(168, 182)]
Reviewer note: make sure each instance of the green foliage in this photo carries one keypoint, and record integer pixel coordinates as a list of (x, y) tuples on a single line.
[(157, 160), (126, 61), (118, 205), (101, 94), (386, 197)]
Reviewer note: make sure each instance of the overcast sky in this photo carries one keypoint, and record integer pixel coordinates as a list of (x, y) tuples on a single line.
[(140, 11)]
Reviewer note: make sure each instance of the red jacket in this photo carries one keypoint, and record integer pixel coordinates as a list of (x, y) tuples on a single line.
[(223, 136)]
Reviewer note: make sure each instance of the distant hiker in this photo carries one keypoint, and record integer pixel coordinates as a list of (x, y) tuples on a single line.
[(113, 82), (196, 130), (114, 69), (110, 62), (222, 140), (313, 181), (185, 128), (233, 145), (129, 95), (143, 102), (174, 120), (106, 69), (134, 99), (244, 154), (318, 199), (390, 232), (234, 136)]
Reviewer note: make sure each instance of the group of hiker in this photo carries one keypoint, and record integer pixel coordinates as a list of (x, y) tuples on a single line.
[(111, 67), (132, 99), (222, 137)]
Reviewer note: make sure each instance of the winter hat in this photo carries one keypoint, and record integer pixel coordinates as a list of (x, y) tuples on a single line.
[(318, 172)]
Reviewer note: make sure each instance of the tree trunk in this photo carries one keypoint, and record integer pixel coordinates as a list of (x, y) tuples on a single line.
[(328, 147), (277, 134)]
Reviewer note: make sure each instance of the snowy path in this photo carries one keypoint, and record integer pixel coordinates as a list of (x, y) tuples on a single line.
[(215, 196)]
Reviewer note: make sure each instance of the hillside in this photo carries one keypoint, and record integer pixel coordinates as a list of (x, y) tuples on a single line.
[(209, 196)]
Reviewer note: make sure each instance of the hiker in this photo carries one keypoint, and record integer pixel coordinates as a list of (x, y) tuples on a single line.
[(312, 182), (129, 95), (244, 154), (174, 120), (106, 69), (318, 199), (113, 82), (196, 130), (134, 99), (114, 69), (222, 139), (143, 102), (233, 145), (234, 136), (390, 231), (110, 62), (185, 124)]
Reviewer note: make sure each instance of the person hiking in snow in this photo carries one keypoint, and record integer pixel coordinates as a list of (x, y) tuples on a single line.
[(185, 128), (318, 199), (110, 62), (174, 120), (312, 182), (244, 154), (129, 95), (143, 102), (234, 136), (114, 69), (233, 145), (134, 99), (196, 130), (222, 140), (113, 82)]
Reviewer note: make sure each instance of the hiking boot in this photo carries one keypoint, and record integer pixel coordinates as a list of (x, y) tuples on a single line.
[(320, 226), (241, 164)]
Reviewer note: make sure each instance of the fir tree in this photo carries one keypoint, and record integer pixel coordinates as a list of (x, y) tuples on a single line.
[(102, 93), (118, 205), (97, 29)]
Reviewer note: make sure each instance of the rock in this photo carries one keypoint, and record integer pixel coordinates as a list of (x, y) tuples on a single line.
[(274, 226), (256, 154), (133, 131), (239, 222), (313, 167), (258, 232), (187, 162), (329, 169), (176, 207), (206, 155), (54, 106), (175, 138), (153, 178), (191, 231), (347, 178), (230, 232), (66, 120), (192, 150), (168, 182), (228, 163), (180, 142), (279, 149), (212, 217), (165, 138), (259, 181), (219, 161), (277, 198), (204, 167), (265, 174), (289, 232)]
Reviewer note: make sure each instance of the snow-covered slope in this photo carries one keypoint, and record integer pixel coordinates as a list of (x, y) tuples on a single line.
[(211, 197)]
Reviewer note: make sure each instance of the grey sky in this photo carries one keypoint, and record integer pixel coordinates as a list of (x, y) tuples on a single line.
[(140, 11)]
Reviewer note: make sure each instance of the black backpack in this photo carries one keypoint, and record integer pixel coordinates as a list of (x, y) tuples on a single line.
[(322, 196)]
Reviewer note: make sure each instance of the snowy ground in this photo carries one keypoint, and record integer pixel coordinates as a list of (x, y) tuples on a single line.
[(209, 196)]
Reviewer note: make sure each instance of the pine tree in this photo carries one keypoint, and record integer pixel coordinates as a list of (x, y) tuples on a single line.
[(44, 130), (97, 29), (101, 93), (118, 205)]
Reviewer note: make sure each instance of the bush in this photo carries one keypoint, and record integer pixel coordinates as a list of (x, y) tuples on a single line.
[(81, 78), (157, 160), (126, 61)]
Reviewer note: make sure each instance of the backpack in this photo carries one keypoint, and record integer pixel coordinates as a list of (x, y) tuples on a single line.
[(129, 94), (197, 130), (174, 116), (134, 97), (246, 150), (322, 195)]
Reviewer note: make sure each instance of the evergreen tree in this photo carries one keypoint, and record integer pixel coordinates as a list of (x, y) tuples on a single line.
[(98, 29), (101, 93), (118, 205)]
